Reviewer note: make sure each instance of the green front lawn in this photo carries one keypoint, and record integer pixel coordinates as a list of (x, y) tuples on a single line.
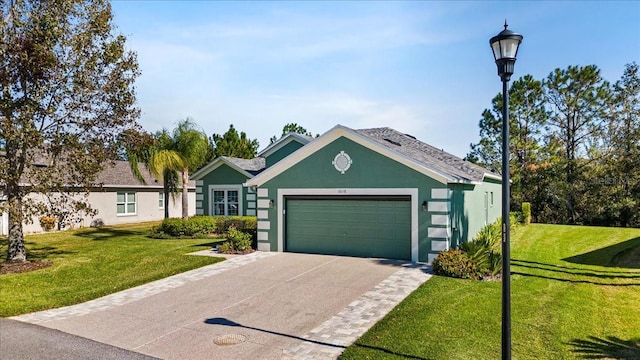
[(90, 263), (575, 294)]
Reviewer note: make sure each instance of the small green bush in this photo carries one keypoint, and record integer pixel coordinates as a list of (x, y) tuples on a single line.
[(238, 241), (495, 264), (515, 218), (172, 227), (242, 223), (484, 250), (455, 263), (526, 213), (490, 236)]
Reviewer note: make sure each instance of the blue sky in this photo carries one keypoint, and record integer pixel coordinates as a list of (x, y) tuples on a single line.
[(424, 68)]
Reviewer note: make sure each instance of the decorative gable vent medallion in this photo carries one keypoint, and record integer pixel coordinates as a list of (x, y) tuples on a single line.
[(342, 162)]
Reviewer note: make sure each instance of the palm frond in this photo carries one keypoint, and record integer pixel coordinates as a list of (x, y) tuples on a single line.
[(163, 160)]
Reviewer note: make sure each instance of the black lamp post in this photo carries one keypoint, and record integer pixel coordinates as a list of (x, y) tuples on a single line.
[(505, 48)]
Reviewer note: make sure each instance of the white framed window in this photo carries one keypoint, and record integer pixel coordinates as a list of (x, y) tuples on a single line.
[(225, 200), (126, 203), (161, 200)]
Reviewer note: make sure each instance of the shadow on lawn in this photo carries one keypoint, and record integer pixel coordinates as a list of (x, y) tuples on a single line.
[(610, 348), (624, 254), (601, 274), (386, 351), (35, 252), (574, 275), (107, 233)]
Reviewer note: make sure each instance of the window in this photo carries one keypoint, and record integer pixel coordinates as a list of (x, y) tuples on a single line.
[(492, 198), (226, 201), (126, 204), (161, 200)]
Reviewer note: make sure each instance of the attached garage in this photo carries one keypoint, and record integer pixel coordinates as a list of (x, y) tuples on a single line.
[(374, 193), (362, 226)]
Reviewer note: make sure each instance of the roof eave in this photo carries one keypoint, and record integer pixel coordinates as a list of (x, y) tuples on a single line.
[(333, 134), (282, 142), (214, 165)]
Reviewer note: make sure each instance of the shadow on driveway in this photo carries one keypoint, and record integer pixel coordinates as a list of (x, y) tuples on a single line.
[(230, 323)]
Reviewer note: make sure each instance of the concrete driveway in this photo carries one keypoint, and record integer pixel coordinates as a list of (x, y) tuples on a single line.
[(257, 306)]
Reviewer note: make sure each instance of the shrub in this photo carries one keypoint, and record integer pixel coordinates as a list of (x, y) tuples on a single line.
[(238, 241), (95, 223), (455, 263), (495, 264), (196, 226), (47, 222), (200, 225), (242, 223), (484, 249), (526, 213), (490, 236), (247, 224), (515, 218)]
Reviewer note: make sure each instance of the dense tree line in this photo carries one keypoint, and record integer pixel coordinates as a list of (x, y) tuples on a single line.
[(575, 146)]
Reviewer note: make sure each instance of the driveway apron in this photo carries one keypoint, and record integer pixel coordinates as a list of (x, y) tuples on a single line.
[(258, 306)]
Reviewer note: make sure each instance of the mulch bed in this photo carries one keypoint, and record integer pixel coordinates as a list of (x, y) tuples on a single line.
[(9, 267)]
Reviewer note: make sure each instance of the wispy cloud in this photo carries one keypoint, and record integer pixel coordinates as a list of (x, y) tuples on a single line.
[(293, 36)]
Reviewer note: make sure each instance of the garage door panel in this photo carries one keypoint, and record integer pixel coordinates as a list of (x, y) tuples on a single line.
[(366, 228)]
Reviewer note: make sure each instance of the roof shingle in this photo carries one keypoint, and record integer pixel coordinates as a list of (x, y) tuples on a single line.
[(252, 166), (436, 159)]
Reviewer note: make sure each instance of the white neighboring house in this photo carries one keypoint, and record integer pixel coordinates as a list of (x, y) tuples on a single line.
[(121, 199)]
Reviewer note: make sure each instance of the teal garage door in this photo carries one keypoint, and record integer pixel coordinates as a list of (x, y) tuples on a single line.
[(363, 227)]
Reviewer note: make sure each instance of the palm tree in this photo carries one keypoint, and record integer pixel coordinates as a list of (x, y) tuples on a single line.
[(171, 154)]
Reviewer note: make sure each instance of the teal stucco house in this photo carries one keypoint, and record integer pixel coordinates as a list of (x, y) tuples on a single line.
[(220, 189), (368, 193)]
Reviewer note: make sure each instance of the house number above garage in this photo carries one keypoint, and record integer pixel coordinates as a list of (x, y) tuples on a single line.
[(342, 162)]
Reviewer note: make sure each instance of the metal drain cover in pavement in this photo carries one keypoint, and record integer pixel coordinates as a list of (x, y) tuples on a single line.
[(230, 339)]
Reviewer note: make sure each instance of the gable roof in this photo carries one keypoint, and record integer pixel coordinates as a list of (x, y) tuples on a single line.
[(405, 149), (429, 156), (246, 167), (280, 143)]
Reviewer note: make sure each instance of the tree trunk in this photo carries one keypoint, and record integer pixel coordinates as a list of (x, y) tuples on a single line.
[(185, 193), (165, 198), (16, 251), (165, 190)]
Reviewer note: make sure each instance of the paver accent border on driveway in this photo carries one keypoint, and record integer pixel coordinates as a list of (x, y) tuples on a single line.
[(360, 315), (142, 291)]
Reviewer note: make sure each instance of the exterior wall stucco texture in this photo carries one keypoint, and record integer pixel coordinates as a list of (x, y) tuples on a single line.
[(468, 209), (147, 208), (282, 153), (368, 170), (222, 175)]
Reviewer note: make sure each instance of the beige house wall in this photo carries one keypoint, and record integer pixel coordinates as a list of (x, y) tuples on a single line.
[(105, 201)]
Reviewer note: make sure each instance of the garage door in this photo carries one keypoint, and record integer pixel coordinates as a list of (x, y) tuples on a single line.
[(363, 227)]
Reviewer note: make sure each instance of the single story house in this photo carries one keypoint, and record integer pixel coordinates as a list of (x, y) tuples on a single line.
[(121, 199), (367, 193)]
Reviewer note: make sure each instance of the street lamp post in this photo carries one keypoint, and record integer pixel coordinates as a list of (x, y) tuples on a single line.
[(505, 48)]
